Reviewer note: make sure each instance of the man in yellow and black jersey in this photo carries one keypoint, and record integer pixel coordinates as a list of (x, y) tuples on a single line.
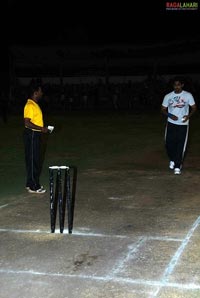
[(34, 127)]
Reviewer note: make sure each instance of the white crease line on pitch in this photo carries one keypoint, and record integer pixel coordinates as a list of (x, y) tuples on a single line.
[(122, 280), (3, 206), (76, 233), (170, 268), (98, 235), (159, 238), (132, 249), (88, 234)]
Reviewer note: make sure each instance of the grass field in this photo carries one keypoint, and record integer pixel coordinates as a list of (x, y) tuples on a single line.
[(102, 140)]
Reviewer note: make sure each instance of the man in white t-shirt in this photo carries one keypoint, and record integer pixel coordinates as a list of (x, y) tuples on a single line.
[(178, 105)]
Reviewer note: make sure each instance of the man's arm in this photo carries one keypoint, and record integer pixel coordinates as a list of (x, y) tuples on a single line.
[(193, 109), (164, 111), (29, 124)]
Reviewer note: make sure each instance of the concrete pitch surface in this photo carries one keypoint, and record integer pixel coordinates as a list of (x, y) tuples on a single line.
[(136, 234)]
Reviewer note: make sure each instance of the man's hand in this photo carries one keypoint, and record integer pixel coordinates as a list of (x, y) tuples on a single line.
[(44, 129), (185, 118), (164, 111), (173, 117)]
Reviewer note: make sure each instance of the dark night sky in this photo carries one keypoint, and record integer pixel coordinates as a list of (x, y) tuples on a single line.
[(98, 22)]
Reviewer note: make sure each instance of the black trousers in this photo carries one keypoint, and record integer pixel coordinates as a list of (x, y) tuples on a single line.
[(32, 146), (176, 137)]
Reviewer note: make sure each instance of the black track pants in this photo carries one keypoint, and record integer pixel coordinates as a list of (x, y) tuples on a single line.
[(32, 145), (176, 137)]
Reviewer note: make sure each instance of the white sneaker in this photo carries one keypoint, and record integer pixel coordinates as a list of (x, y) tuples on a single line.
[(27, 187), (40, 190), (171, 165), (177, 171)]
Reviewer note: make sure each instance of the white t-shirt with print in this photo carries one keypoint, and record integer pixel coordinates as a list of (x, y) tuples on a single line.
[(178, 104)]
